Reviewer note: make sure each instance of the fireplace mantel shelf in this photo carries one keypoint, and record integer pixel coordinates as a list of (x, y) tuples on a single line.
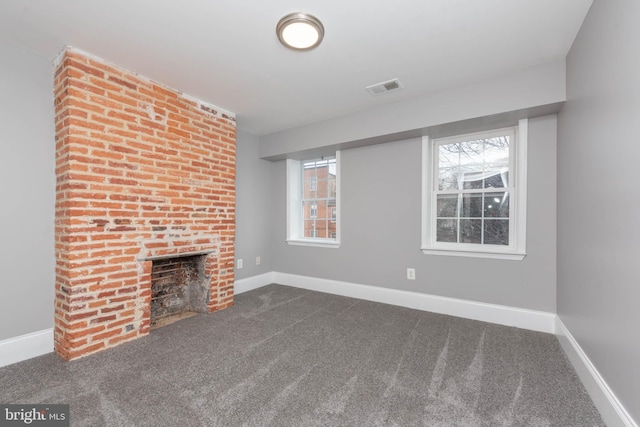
[(182, 254)]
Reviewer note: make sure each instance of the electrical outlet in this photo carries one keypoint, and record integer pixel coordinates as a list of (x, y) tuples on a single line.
[(257, 260), (411, 273), (240, 263)]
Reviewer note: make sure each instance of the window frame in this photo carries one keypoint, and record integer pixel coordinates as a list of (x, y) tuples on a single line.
[(516, 250), (295, 220)]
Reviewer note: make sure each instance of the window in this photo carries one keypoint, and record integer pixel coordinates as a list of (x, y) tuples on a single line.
[(312, 201), (474, 194)]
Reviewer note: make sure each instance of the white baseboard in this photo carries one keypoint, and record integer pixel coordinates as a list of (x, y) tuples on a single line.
[(611, 410), (25, 347), (253, 282), (503, 315)]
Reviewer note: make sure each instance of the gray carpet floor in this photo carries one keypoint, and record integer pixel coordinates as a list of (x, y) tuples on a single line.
[(284, 356)]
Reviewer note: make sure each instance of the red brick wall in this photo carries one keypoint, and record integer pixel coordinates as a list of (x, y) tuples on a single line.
[(142, 171)]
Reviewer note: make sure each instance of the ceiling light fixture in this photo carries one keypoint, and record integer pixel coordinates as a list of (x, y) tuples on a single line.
[(300, 31)]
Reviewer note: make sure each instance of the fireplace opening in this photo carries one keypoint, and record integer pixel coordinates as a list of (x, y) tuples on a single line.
[(179, 289)]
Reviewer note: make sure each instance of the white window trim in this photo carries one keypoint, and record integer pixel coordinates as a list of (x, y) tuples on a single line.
[(294, 208), (517, 250)]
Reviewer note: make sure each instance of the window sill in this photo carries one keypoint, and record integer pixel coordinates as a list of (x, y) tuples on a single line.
[(314, 242), (513, 256)]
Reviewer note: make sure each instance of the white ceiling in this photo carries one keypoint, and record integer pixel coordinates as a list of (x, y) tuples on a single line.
[(226, 51)]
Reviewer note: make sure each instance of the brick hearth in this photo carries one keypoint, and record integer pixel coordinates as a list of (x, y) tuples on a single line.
[(142, 172)]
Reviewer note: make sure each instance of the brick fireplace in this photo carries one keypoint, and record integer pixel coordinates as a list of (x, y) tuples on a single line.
[(143, 173)]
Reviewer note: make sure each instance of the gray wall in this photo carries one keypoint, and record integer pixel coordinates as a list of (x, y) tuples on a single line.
[(598, 196), (27, 195), (523, 92), (253, 208), (380, 230)]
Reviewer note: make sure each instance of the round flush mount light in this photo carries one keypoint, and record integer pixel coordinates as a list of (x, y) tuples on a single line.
[(300, 31)]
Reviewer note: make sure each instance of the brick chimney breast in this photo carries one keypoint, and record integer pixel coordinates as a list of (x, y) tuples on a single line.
[(143, 172)]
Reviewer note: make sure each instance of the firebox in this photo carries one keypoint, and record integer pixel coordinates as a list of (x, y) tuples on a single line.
[(179, 287)]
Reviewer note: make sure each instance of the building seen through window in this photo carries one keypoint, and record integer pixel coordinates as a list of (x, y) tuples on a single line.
[(319, 198)]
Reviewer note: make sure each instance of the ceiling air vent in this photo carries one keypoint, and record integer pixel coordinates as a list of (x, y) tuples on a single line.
[(384, 87)]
